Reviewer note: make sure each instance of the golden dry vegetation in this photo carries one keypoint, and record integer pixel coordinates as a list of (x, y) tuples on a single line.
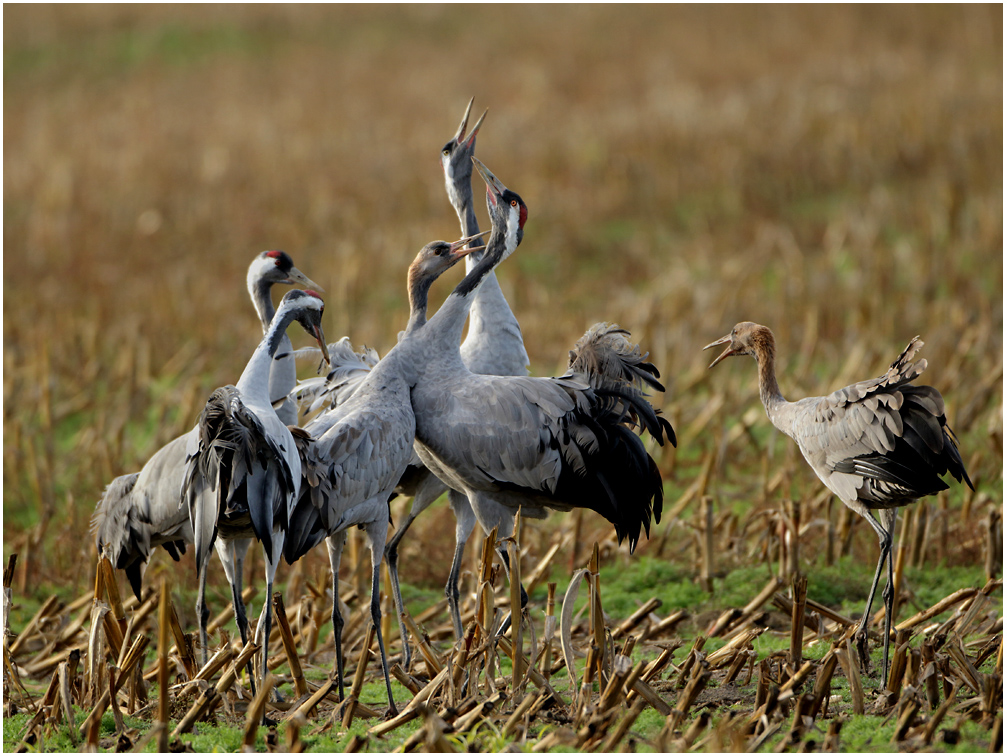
[(832, 172)]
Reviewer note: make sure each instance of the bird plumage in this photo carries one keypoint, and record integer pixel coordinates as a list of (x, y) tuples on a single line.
[(878, 444), (242, 469), (129, 522), (360, 451), (538, 443)]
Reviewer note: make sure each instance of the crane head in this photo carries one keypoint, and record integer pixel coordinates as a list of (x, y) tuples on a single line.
[(309, 307), (437, 256), (275, 266), (507, 210), (744, 338), (456, 152)]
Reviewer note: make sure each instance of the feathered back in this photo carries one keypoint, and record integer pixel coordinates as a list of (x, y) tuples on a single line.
[(235, 470), (610, 363), (347, 371), (125, 531), (601, 463), (895, 437), (606, 357), (111, 523)]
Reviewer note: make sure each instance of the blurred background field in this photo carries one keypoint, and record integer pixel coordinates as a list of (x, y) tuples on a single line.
[(832, 172)]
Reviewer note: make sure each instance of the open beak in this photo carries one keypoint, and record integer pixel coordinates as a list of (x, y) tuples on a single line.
[(726, 353), (296, 277), (460, 134), (492, 182), (459, 250)]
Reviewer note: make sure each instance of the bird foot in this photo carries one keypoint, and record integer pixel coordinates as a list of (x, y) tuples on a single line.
[(390, 713)]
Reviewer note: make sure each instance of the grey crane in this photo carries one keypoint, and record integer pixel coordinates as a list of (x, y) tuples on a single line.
[(536, 443), (493, 345), (242, 470), (878, 445), (360, 450), (141, 511)]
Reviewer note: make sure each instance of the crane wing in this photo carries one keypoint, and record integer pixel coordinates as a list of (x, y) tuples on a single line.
[(883, 441), (356, 460), (241, 462), (555, 440)]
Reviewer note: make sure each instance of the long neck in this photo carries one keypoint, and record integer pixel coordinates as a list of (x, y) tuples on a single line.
[(258, 290), (419, 290), (254, 380), (769, 389), (449, 320)]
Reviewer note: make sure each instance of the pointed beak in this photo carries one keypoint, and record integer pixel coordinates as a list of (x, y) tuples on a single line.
[(320, 338), (459, 250), (460, 134), (492, 182), (296, 277), (475, 129), (726, 353)]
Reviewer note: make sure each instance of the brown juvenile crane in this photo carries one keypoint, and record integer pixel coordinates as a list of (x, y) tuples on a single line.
[(878, 444)]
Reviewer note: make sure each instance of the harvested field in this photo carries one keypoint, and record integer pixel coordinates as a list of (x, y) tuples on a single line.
[(834, 173)]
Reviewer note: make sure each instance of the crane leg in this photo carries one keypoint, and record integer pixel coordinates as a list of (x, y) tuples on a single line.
[(265, 625), (202, 612), (505, 625), (888, 594), (376, 533), (232, 558), (392, 555), (335, 545), (885, 542), (465, 522)]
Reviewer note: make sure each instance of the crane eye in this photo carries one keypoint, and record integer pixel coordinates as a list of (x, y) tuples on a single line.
[(446, 152), (513, 203)]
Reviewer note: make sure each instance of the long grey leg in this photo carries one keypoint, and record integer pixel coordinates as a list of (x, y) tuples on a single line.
[(885, 542), (335, 545), (376, 533), (232, 558), (202, 613), (265, 625), (888, 594), (392, 555), (465, 522)]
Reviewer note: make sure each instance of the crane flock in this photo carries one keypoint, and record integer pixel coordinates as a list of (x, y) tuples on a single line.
[(289, 464)]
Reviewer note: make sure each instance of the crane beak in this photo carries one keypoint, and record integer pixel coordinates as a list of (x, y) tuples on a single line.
[(459, 250), (726, 353), (296, 277), (460, 134), (320, 338), (475, 129), (492, 182)]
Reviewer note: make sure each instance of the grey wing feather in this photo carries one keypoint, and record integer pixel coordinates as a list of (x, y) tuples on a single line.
[(883, 442), (606, 357), (347, 372)]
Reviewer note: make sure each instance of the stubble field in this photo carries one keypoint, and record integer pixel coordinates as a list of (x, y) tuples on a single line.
[(833, 173)]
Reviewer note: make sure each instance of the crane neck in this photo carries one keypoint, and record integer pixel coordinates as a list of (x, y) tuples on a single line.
[(259, 291), (769, 389), (448, 322), (254, 380), (470, 227), (419, 291)]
